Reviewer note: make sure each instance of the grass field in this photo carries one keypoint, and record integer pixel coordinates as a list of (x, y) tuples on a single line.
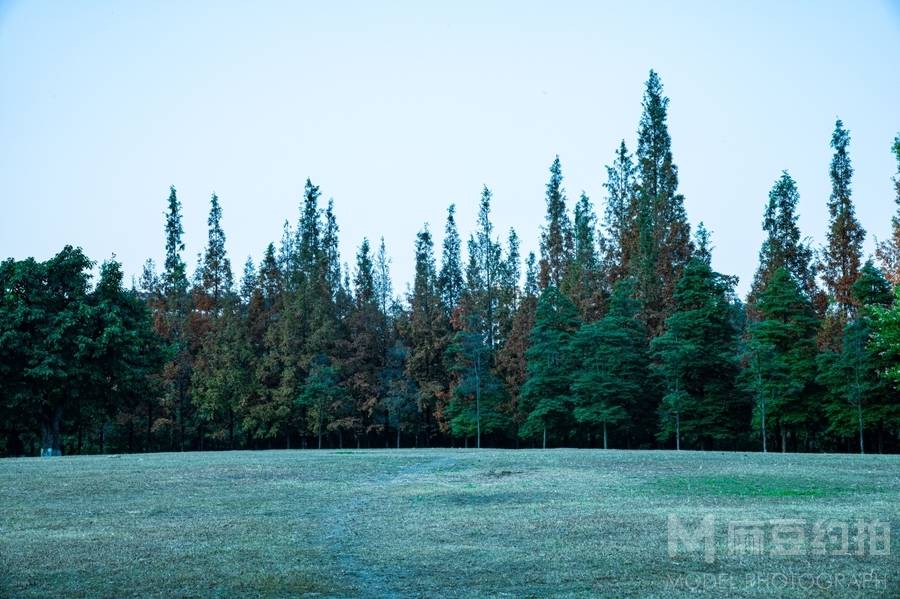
[(412, 523)]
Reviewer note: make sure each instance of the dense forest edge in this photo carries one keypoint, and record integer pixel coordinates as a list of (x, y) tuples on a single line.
[(619, 334)]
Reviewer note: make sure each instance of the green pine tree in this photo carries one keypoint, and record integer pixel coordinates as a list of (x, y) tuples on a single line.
[(450, 280), (546, 396), (855, 391), (557, 243), (888, 250), (783, 246), (610, 358), (618, 244), (697, 358), (663, 234), (783, 358)]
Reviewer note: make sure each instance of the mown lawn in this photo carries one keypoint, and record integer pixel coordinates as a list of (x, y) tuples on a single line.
[(430, 523)]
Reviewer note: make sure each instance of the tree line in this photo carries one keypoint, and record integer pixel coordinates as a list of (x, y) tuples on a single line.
[(618, 334)]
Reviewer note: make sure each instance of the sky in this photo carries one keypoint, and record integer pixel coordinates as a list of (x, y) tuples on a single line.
[(398, 109)]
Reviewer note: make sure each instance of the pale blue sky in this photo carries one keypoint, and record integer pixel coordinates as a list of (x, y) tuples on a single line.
[(398, 109)]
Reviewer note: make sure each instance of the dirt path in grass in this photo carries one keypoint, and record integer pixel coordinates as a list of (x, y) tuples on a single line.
[(349, 546)]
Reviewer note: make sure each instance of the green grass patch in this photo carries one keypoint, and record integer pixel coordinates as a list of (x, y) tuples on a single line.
[(417, 523), (748, 486)]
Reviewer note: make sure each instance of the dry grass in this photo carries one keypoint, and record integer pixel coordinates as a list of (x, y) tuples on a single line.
[(427, 523)]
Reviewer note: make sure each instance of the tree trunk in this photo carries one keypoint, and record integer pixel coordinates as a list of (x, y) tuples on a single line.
[(677, 431), (783, 438), (180, 418), (604, 435), (478, 401), (545, 437), (859, 416), (50, 437), (149, 426), (398, 437), (230, 428)]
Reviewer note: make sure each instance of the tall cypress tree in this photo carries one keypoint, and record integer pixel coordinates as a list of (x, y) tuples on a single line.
[(307, 238), (511, 363), (556, 234), (220, 364), (450, 281), (609, 360), (851, 375), (216, 273), (384, 288), (249, 282), (888, 251), (267, 411), (508, 289), (783, 357), (484, 274), (175, 283), (173, 325), (884, 342), (618, 244), (330, 258), (365, 355), (664, 235), (841, 257), (545, 398), (426, 332), (583, 281), (783, 246), (697, 358), (364, 279), (476, 392)]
